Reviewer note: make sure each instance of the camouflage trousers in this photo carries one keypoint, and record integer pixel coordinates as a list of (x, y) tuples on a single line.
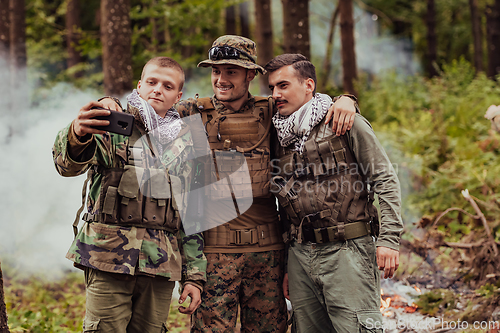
[(254, 281), (335, 287), (119, 303)]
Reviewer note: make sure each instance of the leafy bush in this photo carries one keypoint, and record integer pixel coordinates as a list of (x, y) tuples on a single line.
[(436, 130)]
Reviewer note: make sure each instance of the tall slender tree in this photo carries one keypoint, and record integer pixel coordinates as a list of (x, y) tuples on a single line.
[(430, 21), (349, 68), (4, 327), (116, 33), (493, 38), (477, 35), (231, 20), (296, 35), (264, 39), (73, 26), (244, 21), (5, 94), (327, 63), (17, 42), (18, 76)]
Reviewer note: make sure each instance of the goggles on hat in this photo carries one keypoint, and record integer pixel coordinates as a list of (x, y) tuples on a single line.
[(227, 52)]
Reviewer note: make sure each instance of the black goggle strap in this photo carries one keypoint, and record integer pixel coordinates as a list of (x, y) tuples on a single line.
[(227, 52)]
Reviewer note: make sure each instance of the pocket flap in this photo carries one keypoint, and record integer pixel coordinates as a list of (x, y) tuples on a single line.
[(160, 188), (129, 183), (370, 320), (90, 325)]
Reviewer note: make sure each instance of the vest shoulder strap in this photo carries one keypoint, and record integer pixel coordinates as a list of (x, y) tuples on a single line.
[(204, 104)]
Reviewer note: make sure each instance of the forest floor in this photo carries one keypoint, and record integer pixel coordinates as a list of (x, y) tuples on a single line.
[(423, 297)]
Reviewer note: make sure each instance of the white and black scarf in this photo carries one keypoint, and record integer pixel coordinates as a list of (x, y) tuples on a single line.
[(163, 130), (295, 128)]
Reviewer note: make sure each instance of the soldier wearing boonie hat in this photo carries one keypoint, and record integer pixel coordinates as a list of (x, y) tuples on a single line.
[(245, 256), (234, 50)]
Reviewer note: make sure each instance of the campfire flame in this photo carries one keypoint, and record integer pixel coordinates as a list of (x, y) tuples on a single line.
[(396, 302)]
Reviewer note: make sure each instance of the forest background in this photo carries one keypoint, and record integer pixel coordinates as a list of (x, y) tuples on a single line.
[(424, 71)]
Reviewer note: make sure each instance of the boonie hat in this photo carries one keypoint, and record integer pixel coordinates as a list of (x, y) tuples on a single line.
[(236, 50)]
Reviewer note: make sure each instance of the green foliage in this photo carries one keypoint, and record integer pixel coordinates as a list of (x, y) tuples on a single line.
[(39, 306), (488, 290), (433, 301), (437, 131)]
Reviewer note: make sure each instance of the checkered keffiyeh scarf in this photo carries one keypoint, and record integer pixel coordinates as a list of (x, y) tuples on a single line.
[(296, 128), (163, 130)]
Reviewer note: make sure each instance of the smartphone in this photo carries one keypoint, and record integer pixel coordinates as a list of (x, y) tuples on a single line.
[(119, 122)]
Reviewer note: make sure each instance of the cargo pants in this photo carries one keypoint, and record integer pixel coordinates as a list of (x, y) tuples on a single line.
[(119, 303), (335, 286), (251, 281)]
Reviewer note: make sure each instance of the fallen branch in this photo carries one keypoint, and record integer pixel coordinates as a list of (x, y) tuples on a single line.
[(467, 196), (464, 245), (452, 209)]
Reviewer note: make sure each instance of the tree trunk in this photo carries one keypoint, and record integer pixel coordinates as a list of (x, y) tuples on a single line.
[(327, 63), (430, 21), (296, 27), (244, 22), (493, 38), (350, 72), (116, 35), (4, 327), (5, 94), (477, 35), (18, 76), (264, 38), (73, 26), (231, 20)]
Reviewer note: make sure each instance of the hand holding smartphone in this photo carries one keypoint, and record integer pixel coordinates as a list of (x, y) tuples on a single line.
[(119, 122)]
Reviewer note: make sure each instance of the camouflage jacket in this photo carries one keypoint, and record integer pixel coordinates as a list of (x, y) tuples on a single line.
[(128, 250)]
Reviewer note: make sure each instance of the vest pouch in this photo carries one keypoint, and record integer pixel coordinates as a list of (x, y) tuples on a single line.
[(289, 201), (130, 200), (177, 203), (156, 205), (109, 198), (258, 166)]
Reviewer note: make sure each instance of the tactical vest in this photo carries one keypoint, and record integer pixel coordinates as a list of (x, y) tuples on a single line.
[(245, 133), (322, 191), (141, 193)]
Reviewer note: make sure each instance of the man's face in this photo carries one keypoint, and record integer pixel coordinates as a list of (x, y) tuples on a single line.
[(159, 86), (230, 84), (289, 93)]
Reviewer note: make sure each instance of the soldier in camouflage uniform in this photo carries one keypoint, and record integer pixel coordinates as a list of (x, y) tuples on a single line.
[(326, 183), (130, 267), (245, 256)]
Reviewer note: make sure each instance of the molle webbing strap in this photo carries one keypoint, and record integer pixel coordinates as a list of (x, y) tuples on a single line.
[(263, 235), (268, 127), (90, 174)]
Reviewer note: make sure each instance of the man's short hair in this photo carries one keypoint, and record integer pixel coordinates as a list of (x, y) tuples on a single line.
[(168, 63), (300, 63)]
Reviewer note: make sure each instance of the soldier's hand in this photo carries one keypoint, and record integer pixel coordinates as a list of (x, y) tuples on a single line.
[(84, 120), (285, 287), (387, 260), (195, 294), (344, 112), (109, 103)]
